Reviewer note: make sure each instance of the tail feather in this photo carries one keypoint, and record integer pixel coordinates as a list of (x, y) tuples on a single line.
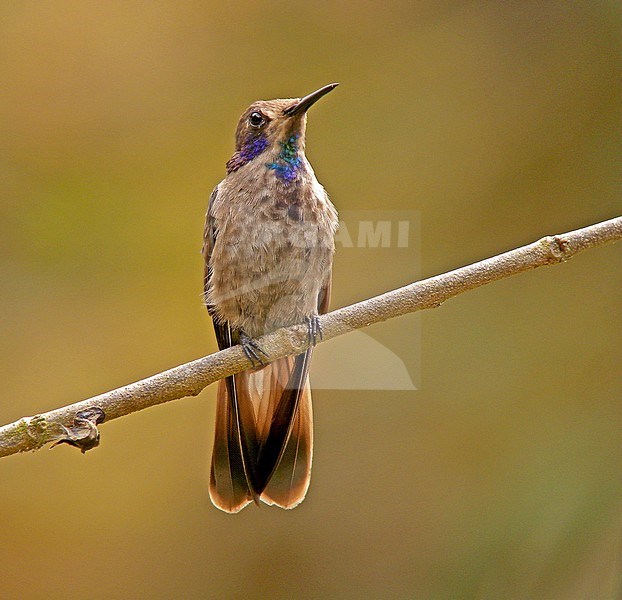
[(272, 447), (290, 481), (269, 456), (228, 488)]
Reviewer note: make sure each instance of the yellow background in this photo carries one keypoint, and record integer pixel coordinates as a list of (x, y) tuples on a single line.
[(497, 121)]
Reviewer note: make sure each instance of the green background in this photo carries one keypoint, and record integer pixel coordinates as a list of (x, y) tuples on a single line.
[(497, 121)]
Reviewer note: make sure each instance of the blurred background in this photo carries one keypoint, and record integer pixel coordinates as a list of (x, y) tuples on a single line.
[(496, 122)]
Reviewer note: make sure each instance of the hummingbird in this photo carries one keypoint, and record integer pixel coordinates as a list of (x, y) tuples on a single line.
[(268, 250)]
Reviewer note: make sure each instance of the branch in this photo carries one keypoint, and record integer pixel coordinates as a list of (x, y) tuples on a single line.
[(30, 433)]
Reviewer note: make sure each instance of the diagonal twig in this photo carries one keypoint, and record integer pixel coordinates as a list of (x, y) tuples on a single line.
[(30, 433)]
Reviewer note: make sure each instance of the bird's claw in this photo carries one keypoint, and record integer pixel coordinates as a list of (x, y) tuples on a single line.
[(314, 329), (253, 351)]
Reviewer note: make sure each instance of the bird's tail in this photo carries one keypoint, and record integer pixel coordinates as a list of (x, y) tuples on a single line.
[(263, 442)]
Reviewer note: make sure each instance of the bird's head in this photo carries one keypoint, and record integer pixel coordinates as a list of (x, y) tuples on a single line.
[(276, 129)]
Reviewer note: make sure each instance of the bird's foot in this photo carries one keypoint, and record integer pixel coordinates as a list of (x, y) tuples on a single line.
[(253, 350), (314, 329)]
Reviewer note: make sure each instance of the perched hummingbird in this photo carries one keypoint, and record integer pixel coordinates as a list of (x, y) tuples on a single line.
[(268, 249)]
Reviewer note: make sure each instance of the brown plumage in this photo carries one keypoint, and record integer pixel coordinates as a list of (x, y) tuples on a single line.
[(268, 251)]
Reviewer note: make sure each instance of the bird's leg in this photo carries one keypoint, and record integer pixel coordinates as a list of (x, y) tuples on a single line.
[(253, 350), (314, 329)]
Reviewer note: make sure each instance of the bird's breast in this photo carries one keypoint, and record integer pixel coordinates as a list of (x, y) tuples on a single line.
[(272, 254)]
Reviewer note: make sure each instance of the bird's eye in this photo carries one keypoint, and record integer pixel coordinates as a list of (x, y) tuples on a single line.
[(256, 119)]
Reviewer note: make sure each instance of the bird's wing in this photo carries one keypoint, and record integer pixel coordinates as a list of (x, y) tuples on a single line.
[(323, 299), (231, 472), (289, 456)]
